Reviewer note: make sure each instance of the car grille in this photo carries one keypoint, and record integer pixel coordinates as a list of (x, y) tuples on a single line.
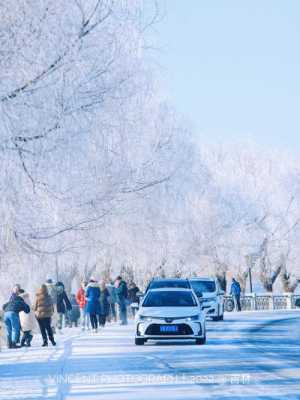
[(183, 329)]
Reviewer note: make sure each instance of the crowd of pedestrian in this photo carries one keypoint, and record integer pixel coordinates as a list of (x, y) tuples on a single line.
[(94, 304)]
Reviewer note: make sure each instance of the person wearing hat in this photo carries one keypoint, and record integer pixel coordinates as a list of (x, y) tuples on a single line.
[(92, 296), (12, 309)]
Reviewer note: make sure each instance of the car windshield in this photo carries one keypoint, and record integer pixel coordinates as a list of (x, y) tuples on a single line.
[(203, 286), (160, 284), (170, 299)]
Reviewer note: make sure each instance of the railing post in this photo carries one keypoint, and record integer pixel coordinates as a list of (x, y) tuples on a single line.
[(289, 303), (253, 301), (271, 302)]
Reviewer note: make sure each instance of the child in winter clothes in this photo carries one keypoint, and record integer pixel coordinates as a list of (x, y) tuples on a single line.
[(74, 314), (27, 321)]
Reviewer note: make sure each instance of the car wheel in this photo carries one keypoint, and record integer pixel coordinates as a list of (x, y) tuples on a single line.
[(139, 341), (201, 341), (229, 305)]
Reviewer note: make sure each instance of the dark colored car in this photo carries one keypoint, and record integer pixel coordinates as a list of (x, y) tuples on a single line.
[(161, 283)]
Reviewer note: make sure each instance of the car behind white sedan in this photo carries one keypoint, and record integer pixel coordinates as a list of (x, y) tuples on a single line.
[(170, 313)]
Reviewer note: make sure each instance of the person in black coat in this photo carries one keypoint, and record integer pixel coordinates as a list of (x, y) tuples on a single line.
[(104, 304), (132, 295), (11, 309), (62, 304)]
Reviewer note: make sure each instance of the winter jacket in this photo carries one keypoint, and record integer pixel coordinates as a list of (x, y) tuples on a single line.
[(235, 289), (121, 292), (132, 294), (28, 321), (62, 302), (92, 295), (80, 298), (43, 305), (16, 304), (74, 313), (112, 294), (104, 304)]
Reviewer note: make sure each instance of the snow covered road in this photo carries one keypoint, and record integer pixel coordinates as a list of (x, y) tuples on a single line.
[(247, 356)]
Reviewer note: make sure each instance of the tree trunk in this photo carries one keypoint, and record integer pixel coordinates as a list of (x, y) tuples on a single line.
[(242, 279), (289, 283), (67, 275), (221, 276), (88, 271), (220, 273), (269, 276)]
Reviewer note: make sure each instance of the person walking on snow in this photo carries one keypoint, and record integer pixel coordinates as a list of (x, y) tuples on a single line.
[(12, 320), (93, 305), (63, 305), (112, 300), (235, 292), (82, 302), (74, 314), (121, 294), (27, 321), (104, 304), (44, 310), (52, 290), (132, 296)]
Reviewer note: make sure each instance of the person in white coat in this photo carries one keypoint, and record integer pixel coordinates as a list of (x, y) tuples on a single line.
[(27, 321)]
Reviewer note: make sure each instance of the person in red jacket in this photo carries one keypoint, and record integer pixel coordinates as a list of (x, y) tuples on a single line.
[(81, 301)]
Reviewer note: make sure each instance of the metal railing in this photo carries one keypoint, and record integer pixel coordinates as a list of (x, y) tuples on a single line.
[(252, 302)]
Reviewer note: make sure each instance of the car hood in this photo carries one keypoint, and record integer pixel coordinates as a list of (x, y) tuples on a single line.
[(171, 312)]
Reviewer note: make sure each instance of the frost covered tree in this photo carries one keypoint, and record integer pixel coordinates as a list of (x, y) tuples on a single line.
[(84, 132), (99, 174)]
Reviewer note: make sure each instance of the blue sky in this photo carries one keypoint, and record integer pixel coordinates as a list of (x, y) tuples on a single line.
[(233, 67)]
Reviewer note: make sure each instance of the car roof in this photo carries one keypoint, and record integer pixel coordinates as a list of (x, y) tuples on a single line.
[(171, 289), (169, 279), (202, 279)]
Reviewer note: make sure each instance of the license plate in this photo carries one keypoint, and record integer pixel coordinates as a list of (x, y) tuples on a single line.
[(168, 328)]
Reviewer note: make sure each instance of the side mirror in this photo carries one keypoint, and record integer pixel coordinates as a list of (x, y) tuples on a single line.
[(297, 302)]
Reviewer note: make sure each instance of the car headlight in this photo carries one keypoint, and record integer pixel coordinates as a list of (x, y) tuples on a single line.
[(193, 318), (145, 318), (211, 300)]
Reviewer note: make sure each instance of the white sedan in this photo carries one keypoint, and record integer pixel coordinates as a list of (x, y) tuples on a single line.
[(170, 314)]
